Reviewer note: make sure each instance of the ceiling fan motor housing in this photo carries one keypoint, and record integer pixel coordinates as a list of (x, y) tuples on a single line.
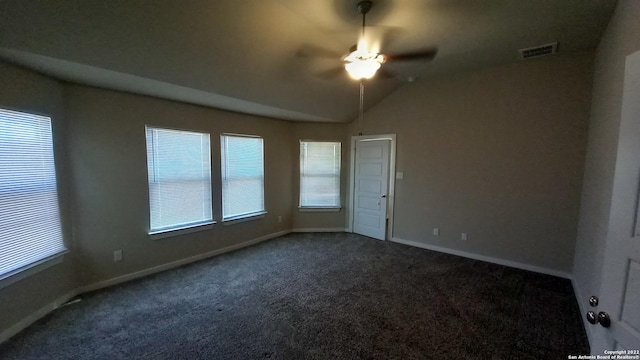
[(364, 6)]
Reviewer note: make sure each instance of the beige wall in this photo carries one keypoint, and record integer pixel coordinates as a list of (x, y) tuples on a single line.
[(108, 158), (621, 38), (496, 153), (319, 132), (101, 159), (23, 90)]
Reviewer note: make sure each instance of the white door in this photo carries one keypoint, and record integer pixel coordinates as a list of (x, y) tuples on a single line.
[(371, 184), (620, 281)]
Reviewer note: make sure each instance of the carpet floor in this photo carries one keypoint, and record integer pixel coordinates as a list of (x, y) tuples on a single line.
[(318, 296)]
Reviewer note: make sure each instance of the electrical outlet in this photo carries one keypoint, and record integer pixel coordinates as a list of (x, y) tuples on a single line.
[(463, 236), (117, 255), (279, 218), (436, 232)]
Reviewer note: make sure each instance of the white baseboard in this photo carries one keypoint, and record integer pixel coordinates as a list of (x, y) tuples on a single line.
[(177, 263), (583, 310), (37, 315), (30, 319), (302, 230), (40, 313), (499, 261)]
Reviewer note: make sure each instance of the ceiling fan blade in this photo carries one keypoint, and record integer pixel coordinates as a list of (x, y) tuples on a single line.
[(311, 51), (385, 74), (331, 73), (424, 55)]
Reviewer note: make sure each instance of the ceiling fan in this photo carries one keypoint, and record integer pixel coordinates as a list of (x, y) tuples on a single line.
[(363, 61)]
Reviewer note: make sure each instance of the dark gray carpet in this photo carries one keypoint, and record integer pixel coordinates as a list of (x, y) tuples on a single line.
[(318, 296)]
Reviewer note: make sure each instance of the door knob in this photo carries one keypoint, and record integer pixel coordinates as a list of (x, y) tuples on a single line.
[(602, 318), (383, 196)]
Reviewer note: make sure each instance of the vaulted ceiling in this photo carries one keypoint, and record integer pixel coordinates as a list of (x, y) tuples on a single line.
[(268, 57)]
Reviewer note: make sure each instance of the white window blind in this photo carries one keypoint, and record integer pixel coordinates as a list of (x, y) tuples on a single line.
[(242, 176), (319, 174), (179, 166), (30, 229)]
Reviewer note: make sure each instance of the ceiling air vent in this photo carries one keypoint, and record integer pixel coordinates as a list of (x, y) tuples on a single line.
[(537, 51)]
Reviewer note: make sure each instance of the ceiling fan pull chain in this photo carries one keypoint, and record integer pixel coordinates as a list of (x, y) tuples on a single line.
[(361, 108)]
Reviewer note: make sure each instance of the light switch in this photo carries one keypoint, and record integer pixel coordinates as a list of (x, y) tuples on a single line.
[(399, 175)]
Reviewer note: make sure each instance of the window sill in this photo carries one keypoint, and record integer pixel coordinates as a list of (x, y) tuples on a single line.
[(319, 209), (36, 267), (162, 234), (243, 218)]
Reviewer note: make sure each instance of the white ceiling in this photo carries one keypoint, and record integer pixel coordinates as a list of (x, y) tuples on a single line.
[(244, 55)]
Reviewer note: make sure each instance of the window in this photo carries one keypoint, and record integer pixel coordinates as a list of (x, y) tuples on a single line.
[(242, 176), (179, 165), (30, 230), (319, 174)]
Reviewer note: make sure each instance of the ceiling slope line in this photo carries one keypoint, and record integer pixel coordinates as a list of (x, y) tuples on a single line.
[(113, 80)]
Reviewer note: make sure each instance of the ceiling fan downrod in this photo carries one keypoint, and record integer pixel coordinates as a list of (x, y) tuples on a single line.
[(364, 7), (362, 63)]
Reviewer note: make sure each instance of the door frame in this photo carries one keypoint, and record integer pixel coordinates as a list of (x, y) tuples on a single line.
[(391, 181)]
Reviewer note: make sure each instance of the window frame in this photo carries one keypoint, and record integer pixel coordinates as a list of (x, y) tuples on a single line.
[(239, 218), (319, 208), (36, 266), (186, 228)]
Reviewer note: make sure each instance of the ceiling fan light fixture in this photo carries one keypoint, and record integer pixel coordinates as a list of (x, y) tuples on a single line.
[(361, 66)]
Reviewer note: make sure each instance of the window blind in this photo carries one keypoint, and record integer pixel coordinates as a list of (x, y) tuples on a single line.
[(242, 176), (319, 174), (179, 169), (30, 228)]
